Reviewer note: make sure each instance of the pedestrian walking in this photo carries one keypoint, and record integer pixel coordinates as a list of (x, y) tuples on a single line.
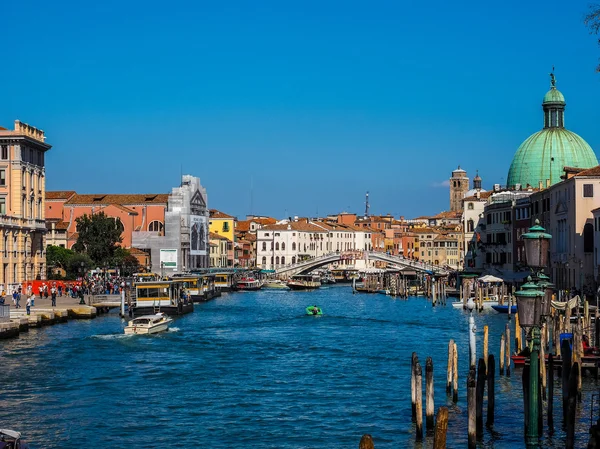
[(60, 290), (53, 296), (29, 303)]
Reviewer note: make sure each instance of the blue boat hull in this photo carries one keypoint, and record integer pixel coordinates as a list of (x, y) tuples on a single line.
[(504, 309)]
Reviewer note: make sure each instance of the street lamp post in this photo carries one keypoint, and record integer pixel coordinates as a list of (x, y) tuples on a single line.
[(472, 330), (533, 303)]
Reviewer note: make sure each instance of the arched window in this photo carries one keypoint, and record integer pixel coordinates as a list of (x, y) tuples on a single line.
[(470, 226), (264, 247), (282, 247), (293, 246), (271, 260), (277, 260), (588, 238), (277, 246), (293, 260), (155, 226), (470, 206), (264, 261), (282, 260)]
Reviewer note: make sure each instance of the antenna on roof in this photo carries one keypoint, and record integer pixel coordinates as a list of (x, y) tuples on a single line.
[(367, 205), (251, 194)]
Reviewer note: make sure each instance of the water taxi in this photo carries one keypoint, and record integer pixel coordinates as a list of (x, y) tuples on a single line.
[(148, 324), (248, 284), (171, 297), (10, 439), (224, 281), (304, 282)]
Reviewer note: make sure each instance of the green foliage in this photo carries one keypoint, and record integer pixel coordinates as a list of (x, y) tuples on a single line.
[(98, 237), (125, 261), (57, 256), (75, 267)]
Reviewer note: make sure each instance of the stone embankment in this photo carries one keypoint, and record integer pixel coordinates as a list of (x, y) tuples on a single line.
[(14, 320)]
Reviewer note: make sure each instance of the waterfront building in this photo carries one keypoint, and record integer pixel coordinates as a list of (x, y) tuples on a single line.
[(566, 210), (473, 228), (22, 197), (219, 249), (137, 212), (440, 246), (183, 243), (540, 159), (459, 185), (224, 225)]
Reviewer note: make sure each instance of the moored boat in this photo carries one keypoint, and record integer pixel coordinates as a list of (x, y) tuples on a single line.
[(275, 284), (504, 308), (148, 324), (248, 284), (304, 282), (11, 439)]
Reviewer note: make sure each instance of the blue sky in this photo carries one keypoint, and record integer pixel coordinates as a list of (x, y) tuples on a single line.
[(311, 103)]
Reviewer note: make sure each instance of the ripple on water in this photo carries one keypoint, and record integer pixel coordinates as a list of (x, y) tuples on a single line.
[(249, 370)]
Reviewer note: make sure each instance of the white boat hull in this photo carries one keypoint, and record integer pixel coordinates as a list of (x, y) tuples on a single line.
[(486, 304), (148, 328)]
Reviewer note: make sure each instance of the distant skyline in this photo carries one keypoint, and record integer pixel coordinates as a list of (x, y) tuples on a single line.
[(292, 109)]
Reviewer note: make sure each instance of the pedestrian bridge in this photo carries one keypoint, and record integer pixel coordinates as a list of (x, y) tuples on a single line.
[(400, 262)]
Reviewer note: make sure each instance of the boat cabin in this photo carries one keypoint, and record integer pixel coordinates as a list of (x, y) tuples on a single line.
[(223, 281), (171, 297)]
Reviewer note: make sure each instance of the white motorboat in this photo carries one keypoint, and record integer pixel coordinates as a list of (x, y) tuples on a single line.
[(275, 284), (148, 324), (11, 439), (487, 302)]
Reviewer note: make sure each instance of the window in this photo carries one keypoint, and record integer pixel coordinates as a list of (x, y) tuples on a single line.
[(282, 260), (283, 247), (264, 261), (588, 190), (277, 260), (470, 206), (588, 238), (155, 226), (225, 226), (293, 246), (2, 177), (293, 260), (5, 152), (470, 226), (277, 246), (264, 247)]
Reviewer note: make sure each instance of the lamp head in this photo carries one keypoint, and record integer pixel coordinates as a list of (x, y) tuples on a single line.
[(470, 304)]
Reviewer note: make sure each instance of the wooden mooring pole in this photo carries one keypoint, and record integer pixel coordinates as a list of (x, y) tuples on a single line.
[(455, 374), (572, 406), (413, 386), (550, 411), (366, 442), (565, 374), (471, 409), (502, 355), (419, 402), (450, 365), (507, 352), (491, 372), (485, 346), (429, 400), (441, 427), (481, 380)]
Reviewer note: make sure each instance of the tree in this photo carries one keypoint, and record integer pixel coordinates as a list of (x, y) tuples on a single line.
[(98, 237), (125, 261), (57, 256), (79, 264), (592, 21)]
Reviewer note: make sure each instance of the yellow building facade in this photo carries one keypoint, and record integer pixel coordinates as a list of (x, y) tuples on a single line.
[(222, 224), (22, 204)]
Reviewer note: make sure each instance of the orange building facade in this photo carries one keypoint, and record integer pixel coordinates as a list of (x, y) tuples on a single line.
[(137, 212)]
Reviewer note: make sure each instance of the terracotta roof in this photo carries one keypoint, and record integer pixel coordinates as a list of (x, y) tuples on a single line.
[(136, 251), (123, 208), (448, 214), (264, 221), (60, 194), (214, 213), (122, 199), (482, 196), (62, 225), (594, 171), (242, 225), (215, 236), (250, 237)]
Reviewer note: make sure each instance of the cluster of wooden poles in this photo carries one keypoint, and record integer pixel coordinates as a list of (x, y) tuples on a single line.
[(435, 288)]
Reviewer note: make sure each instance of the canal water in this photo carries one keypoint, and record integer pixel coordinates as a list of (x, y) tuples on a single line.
[(252, 370)]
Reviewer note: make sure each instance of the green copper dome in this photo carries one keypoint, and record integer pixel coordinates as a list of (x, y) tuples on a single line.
[(554, 96), (544, 154)]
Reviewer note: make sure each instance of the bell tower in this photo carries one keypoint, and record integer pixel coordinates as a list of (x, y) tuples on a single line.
[(459, 185)]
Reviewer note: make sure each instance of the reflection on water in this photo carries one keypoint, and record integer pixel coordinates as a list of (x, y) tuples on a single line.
[(251, 369)]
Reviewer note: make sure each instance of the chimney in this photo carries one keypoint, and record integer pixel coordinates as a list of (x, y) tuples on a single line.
[(547, 183), (478, 194), (540, 185)]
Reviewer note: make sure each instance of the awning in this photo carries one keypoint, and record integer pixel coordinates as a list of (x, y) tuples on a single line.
[(488, 278)]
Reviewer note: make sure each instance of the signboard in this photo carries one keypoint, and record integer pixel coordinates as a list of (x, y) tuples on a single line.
[(168, 258), (199, 235)]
